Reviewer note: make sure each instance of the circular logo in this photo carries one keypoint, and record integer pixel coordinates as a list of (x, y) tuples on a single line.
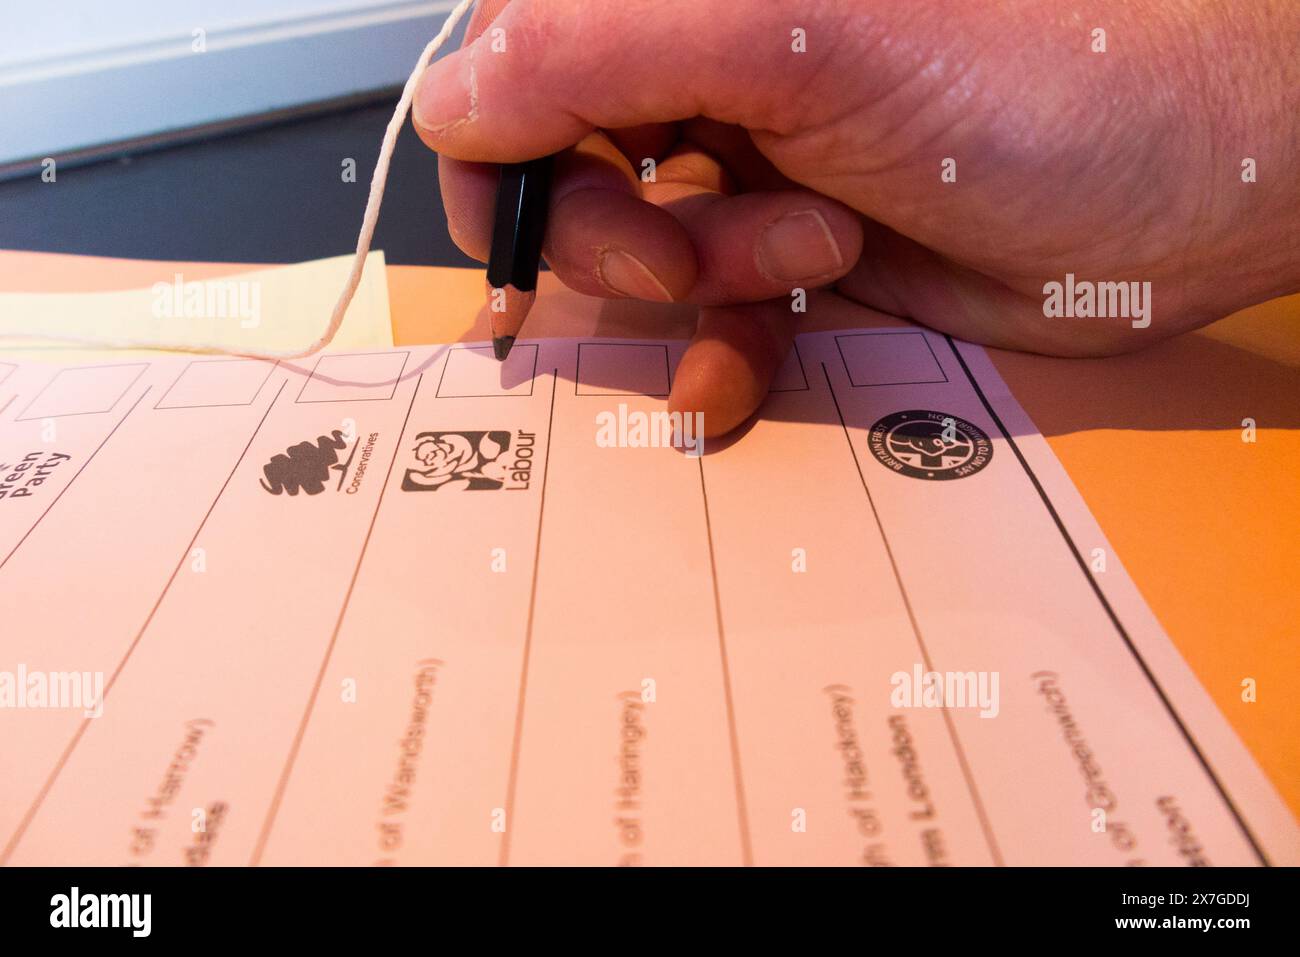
[(929, 445)]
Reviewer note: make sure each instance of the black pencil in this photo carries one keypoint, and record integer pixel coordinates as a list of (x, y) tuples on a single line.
[(523, 196)]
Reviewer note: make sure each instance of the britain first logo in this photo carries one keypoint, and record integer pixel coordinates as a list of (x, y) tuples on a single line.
[(929, 445)]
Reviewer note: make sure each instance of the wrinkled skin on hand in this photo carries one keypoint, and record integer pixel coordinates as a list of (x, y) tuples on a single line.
[(777, 168)]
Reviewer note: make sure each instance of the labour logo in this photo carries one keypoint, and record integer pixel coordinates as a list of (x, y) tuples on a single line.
[(458, 461)]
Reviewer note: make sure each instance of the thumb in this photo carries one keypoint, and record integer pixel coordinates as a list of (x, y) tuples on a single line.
[(549, 71)]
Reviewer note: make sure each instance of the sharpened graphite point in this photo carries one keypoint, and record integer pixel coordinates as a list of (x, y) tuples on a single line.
[(501, 346)]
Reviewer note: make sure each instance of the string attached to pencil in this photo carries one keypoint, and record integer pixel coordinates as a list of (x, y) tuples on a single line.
[(31, 330), (380, 179)]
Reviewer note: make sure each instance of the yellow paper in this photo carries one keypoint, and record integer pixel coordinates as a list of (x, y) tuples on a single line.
[(276, 309)]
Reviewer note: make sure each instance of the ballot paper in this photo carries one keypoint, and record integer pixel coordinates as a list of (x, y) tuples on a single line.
[(412, 606)]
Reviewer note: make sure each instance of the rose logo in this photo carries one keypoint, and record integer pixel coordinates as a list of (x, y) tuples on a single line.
[(457, 461)]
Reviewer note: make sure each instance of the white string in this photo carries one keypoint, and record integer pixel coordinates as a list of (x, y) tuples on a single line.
[(377, 183)]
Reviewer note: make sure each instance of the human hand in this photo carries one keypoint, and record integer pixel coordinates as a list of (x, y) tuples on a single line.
[(777, 169)]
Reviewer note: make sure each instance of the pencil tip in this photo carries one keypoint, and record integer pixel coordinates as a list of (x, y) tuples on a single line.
[(501, 346)]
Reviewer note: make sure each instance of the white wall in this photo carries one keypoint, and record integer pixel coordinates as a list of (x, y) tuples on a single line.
[(79, 73)]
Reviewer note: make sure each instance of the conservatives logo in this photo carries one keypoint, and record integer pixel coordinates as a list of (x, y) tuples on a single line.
[(310, 466)]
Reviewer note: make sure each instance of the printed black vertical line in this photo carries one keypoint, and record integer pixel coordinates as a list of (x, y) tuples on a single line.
[(81, 729), (512, 776), (1110, 612), (283, 783), (742, 812), (985, 824), (75, 476)]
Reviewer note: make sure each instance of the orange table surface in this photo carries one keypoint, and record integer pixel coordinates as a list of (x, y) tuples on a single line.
[(1207, 525)]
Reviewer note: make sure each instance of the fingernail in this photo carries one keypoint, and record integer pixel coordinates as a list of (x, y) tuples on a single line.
[(798, 246), (629, 276), (447, 95)]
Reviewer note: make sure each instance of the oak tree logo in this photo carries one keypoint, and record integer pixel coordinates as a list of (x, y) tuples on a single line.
[(929, 445), (458, 461), (307, 466)]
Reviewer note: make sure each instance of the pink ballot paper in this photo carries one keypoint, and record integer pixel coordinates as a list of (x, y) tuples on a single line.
[(413, 606)]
